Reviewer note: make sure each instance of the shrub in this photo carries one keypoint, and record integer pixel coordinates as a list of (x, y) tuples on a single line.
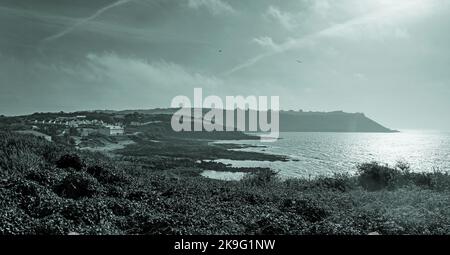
[(374, 176), (269, 225), (54, 224), (114, 191), (310, 209), (336, 183), (78, 185), (25, 188), (96, 171), (36, 201), (120, 207), (89, 212), (151, 223), (14, 221), (261, 177), (70, 161), (19, 160), (423, 179), (105, 176), (43, 177)]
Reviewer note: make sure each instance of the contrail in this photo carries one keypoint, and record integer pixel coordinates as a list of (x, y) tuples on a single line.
[(297, 42), (85, 20)]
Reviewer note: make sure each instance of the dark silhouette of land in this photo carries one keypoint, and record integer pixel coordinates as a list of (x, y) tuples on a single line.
[(338, 121)]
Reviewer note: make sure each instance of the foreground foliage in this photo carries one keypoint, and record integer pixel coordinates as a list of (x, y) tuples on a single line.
[(53, 189)]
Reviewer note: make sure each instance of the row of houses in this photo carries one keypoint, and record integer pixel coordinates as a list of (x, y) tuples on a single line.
[(70, 122), (84, 126)]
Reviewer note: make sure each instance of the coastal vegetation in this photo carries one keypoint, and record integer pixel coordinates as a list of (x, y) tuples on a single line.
[(52, 188)]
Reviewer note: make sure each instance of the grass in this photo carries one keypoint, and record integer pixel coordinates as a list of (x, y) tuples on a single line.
[(47, 188)]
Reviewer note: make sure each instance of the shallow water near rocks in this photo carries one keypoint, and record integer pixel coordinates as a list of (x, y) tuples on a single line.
[(319, 154)]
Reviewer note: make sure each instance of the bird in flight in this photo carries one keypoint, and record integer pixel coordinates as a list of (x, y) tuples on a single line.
[(298, 61)]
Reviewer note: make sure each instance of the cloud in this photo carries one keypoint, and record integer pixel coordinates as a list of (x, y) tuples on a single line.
[(104, 27), (101, 81), (267, 42), (322, 8), (107, 81), (375, 25), (140, 80), (214, 6), (85, 20), (285, 19)]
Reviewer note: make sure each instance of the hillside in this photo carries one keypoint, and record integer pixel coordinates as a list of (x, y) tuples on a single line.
[(328, 122)]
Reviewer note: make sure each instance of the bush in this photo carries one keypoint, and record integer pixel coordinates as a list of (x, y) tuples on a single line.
[(70, 161), (78, 185), (105, 176), (374, 176), (269, 224), (341, 183), (310, 209), (262, 177), (54, 224), (120, 207), (19, 160), (96, 171), (151, 223), (43, 177), (89, 212), (14, 221)]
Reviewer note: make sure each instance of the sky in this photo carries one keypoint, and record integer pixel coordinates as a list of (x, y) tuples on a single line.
[(389, 59)]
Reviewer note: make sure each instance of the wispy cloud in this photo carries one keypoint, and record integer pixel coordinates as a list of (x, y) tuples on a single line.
[(85, 20), (285, 19), (214, 6), (343, 29), (143, 76), (267, 42)]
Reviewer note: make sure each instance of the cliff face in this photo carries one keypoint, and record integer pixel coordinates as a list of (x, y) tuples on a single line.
[(328, 122), (338, 121)]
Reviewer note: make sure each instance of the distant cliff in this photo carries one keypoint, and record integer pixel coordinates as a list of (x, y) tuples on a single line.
[(339, 121)]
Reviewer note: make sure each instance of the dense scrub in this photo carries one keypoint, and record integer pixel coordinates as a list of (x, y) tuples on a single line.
[(51, 189)]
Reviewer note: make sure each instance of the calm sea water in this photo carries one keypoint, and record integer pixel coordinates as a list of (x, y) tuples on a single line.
[(314, 154)]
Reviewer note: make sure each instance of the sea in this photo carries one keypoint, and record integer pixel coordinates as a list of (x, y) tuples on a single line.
[(324, 154)]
